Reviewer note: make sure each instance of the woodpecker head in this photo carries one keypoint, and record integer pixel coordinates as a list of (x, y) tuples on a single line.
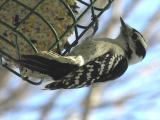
[(133, 43)]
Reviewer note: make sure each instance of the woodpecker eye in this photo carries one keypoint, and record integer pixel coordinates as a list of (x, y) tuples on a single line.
[(134, 36)]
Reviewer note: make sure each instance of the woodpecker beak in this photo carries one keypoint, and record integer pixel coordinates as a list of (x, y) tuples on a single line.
[(123, 23), (125, 29)]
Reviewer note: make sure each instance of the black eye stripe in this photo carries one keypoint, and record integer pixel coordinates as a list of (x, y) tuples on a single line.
[(134, 36), (135, 31)]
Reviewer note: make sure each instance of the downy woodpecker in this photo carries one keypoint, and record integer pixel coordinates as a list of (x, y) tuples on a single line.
[(94, 60)]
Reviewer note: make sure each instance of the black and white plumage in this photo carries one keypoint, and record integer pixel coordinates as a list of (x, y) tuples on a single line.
[(94, 60)]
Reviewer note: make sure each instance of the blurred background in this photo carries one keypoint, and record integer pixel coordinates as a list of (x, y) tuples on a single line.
[(134, 96)]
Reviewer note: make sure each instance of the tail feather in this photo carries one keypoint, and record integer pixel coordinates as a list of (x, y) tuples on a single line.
[(55, 86), (53, 68)]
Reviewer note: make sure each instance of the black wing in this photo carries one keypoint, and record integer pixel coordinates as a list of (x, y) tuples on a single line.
[(116, 70), (104, 68), (43, 65)]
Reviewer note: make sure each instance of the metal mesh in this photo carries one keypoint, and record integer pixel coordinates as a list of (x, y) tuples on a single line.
[(89, 7)]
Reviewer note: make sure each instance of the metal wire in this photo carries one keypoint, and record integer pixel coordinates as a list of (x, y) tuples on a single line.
[(94, 23)]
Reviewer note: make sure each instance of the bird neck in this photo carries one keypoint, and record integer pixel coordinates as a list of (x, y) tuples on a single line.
[(126, 46), (129, 48), (122, 42)]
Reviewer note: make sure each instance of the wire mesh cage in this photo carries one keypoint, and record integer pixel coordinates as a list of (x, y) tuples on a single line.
[(30, 26)]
